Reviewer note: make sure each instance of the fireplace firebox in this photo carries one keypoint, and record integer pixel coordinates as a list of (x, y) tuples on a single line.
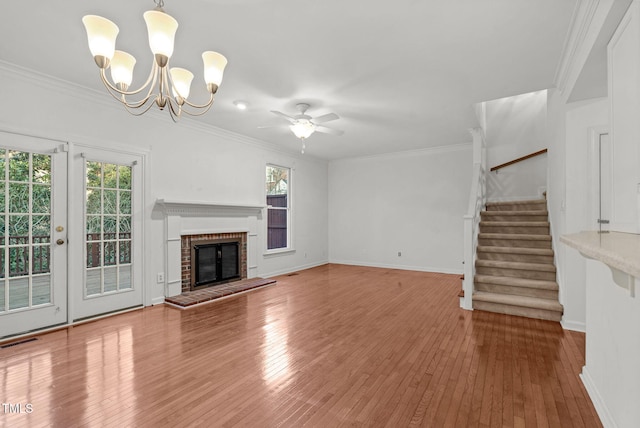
[(214, 262)]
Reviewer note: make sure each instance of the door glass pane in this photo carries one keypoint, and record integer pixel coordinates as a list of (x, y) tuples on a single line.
[(25, 229), (18, 293), (41, 198), (18, 166), (41, 289), (94, 282), (125, 276), (41, 232), (18, 198), (110, 279), (108, 228), (41, 169)]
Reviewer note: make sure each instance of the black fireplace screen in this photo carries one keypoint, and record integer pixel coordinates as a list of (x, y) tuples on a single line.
[(215, 263)]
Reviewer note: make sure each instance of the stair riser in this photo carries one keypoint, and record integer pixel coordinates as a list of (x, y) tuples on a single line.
[(517, 291), (513, 257), (518, 311), (524, 217), (522, 243), (518, 207), (526, 230), (516, 273)]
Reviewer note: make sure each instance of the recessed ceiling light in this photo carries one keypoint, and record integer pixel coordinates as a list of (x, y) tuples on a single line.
[(242, 105)]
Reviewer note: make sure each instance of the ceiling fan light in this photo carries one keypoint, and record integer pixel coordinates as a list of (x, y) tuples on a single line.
[(214, 64), (181, 79), (101, 34), (162, 32), (302, 129), (122, 68)]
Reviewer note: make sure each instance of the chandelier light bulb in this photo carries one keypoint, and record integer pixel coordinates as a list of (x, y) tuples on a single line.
[(101, 34), (181, 82), (162, 32), (214, 64), (122, 68)]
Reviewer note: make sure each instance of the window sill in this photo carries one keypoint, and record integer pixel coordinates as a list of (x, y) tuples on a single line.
[(279, 251)]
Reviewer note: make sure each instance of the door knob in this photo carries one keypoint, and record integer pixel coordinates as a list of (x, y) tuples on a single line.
[(60, 241)]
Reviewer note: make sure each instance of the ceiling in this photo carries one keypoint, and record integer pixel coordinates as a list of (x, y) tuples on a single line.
[(402, 75)]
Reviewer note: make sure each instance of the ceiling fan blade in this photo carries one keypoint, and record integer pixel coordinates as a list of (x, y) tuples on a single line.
[(284, 116), (326, 130), (325, 118)]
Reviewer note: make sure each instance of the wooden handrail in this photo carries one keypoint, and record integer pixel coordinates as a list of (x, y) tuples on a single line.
[(495, 168)]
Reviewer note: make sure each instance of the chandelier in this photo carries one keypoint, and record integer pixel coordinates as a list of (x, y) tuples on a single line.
[(165, 87)]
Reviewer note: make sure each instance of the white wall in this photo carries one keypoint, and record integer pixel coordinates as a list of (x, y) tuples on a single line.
[(411, 203), (187, 161), (582, 120), (612, 372), (515, 127)]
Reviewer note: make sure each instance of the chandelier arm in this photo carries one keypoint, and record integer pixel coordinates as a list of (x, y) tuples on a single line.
[(175, 115), (152, 76), (121, 98), (199, 113), (138, 112), (207, 105)]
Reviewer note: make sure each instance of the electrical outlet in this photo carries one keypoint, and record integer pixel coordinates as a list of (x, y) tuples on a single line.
[(160, 277)]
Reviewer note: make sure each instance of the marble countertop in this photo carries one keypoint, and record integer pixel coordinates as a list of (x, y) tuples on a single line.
[(615, 249)]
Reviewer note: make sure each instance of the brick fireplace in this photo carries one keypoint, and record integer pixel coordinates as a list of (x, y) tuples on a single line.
[(187, 222), (187, 242)]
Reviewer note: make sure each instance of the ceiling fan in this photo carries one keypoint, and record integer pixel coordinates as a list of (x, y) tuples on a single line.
[(303, 125)]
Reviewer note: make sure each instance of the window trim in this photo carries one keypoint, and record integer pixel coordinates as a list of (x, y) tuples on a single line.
[(289, 248)]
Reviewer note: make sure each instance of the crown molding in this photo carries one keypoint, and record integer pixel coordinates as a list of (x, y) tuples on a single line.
[(582, 34), (409, 153)]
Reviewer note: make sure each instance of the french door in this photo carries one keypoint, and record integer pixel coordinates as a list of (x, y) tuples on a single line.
[(33, 233), (107, 223)]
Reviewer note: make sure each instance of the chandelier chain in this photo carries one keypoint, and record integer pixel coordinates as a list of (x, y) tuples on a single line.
[(159, 3)]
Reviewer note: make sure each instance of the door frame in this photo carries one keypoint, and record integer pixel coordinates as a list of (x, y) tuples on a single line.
[(595, 134)]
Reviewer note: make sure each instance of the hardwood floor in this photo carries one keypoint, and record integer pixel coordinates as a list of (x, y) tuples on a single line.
[(330, 346)]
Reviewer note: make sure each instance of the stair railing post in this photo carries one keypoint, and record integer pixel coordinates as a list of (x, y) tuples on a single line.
[(477, 200)]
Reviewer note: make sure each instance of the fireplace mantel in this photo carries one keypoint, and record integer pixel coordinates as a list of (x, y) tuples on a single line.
[(188, 217), (207, 209)]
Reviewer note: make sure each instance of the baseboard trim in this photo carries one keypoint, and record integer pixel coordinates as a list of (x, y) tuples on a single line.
[(292, 269), (400, 267), (574, 326), (596, 399), (157, 301)]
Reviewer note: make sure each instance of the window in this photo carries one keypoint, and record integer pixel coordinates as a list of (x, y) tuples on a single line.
[(278, 185), (108, 230)]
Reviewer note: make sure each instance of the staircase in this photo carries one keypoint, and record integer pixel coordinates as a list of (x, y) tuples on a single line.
[(515, 273)]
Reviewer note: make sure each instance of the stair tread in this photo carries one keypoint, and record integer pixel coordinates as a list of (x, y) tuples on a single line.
[(515, 223), (530, 201), (521, 301), (515, 213), (517, 282), (515, 250), (545, 267), (514, 236)]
